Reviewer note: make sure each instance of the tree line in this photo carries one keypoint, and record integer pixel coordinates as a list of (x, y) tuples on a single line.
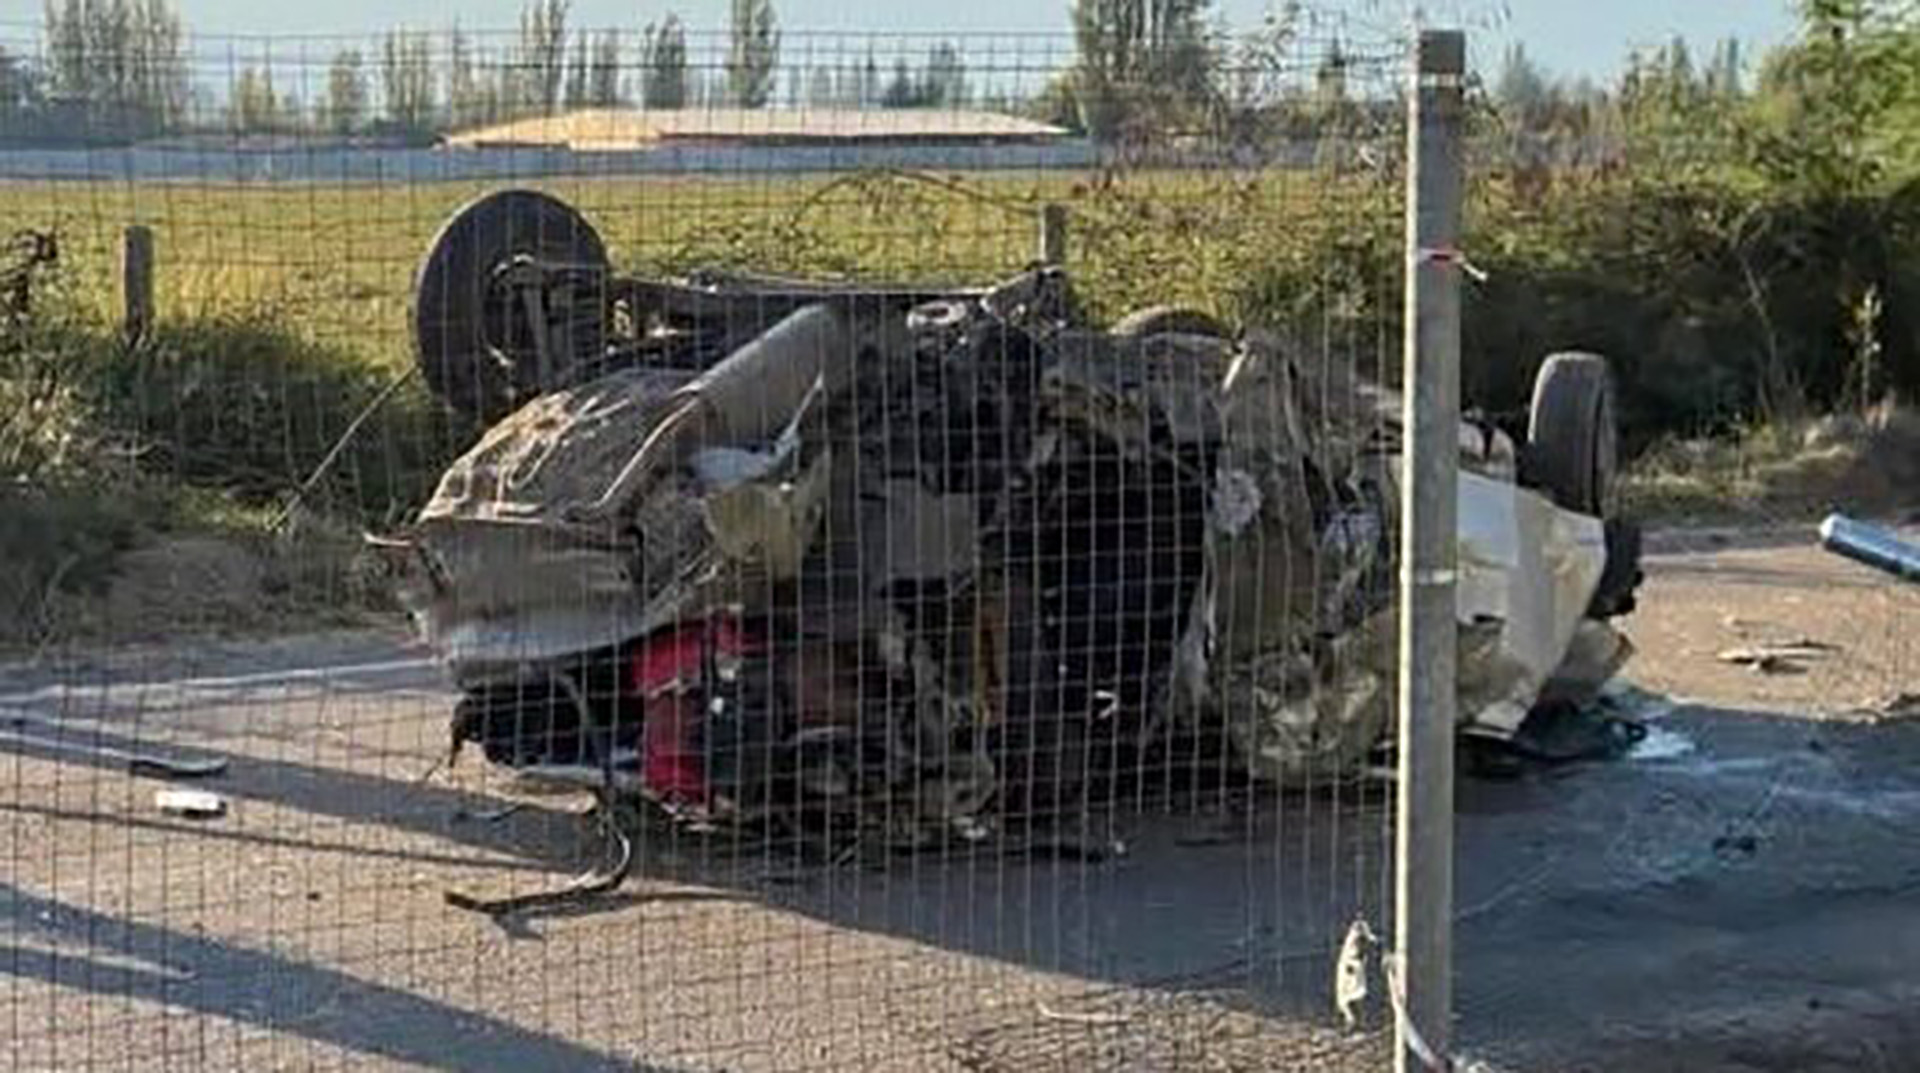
[(1142, 71), (114, 71)]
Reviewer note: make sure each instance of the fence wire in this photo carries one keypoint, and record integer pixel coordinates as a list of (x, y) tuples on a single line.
[(648, 548), (644, 550)]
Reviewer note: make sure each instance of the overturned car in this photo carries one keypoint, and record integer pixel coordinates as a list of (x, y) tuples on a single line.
[(937, 559)]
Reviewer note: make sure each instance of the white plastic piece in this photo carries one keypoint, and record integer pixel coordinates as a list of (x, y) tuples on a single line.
[(193, 804), (1533, 567)]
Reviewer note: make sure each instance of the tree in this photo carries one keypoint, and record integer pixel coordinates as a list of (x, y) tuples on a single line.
[(346, 104), (1726, 75), (941, 83), (1139, 60), (22, 99), (603, 78), (117, 65), (753, 52), (157, 65), (255, 108), (903, 91), (406, 81), (821, 91), (577, 72), (466, 104), (1523, 92), (946, 77), (70, 76), (543, 53), (1840, 108), (663, 64)]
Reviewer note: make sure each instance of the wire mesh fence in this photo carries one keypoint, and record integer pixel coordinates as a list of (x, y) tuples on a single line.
[(552, 550), (646, 548)]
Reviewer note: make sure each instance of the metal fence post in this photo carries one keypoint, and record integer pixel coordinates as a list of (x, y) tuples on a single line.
[(1423, 961)]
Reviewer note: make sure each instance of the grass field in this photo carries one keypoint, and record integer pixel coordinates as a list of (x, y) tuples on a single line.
[(334, 261)]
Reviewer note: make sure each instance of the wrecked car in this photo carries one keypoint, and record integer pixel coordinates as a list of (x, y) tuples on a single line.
[(942, 558)]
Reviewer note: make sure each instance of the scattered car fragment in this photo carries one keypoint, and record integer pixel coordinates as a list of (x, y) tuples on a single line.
[(192, 804), (1872, 545), (925, 559)]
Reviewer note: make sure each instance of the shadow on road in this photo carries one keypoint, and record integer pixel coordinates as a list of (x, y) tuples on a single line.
[(91, 952), (1769, 862)]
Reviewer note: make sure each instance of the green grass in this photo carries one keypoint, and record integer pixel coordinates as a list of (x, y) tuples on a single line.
[(334, 263)]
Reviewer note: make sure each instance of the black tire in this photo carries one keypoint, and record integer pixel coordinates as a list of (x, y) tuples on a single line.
[(1169, 320), (1572, 442), (471, 339)]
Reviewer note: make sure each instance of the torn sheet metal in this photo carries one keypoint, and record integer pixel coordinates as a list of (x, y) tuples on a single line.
[(1533, 568), (951, 563), (1528, 571)]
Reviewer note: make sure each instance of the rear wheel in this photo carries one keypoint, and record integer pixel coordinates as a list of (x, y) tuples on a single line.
[(1572, 443), (500, 264)]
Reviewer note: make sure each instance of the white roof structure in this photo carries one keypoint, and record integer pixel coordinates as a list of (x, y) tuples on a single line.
[(621, 129)]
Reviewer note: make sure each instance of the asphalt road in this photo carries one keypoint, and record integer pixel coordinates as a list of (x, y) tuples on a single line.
[(1739, 897)]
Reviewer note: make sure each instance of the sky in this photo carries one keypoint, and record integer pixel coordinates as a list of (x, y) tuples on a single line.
[(1576, 38)]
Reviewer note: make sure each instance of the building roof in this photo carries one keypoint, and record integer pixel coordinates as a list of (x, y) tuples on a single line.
[(614, 129)]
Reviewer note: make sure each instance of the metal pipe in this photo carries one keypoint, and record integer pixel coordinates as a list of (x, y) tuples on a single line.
[(1871, 544), (1421, 980)]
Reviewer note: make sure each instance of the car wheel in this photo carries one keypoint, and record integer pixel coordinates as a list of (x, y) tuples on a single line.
[(473, 338), (1572, 443)]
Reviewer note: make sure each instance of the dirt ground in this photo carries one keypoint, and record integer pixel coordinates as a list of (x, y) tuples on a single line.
[(1736, 897), (1715, 593)]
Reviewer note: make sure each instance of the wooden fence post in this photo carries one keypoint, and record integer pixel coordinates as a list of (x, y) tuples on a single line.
[(1053, 234), (136, 282)]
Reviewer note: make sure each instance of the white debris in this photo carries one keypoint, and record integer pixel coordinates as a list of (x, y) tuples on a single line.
[(1350, 972), (193, 804), (1662, 744)]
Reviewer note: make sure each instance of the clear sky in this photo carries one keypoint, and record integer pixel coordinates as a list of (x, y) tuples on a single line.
[(1571, 37)]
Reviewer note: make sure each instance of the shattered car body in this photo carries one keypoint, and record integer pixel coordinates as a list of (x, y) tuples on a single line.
[(960, 555)]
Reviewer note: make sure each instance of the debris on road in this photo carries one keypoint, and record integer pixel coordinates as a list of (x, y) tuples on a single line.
[(1873, 545), (1896, 708), (192, 804), (1788, 658), (1350, 989)]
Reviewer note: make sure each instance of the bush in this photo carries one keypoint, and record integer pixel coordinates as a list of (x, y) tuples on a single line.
[(239, 405), (1718, 304), (207, 427)]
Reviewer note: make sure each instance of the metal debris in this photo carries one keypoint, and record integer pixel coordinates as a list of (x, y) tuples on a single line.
[(1874, 545), (890, 563)]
